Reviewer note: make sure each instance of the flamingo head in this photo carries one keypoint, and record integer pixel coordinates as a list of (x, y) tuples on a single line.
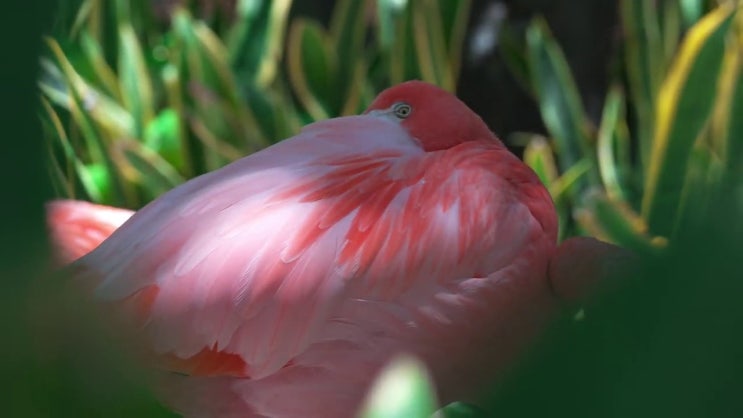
[(433, 116)]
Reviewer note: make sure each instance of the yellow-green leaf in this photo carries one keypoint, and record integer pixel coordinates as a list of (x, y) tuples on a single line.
[(538, 156), (403, 390), (255, 42), (618, 223), (683, 106), (431, 48), (59, 83), (135, 83)]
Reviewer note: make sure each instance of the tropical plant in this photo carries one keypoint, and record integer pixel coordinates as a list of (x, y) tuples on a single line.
[(668, 132), (134, 106)]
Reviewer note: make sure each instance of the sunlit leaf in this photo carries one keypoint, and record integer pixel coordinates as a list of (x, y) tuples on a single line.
[(58, 83), (569, 182), (135, 83), (683, 107), (613, 147), (256, 40), (692, 11), (162, 135), (538, 155), (620, 224), (403, 390)]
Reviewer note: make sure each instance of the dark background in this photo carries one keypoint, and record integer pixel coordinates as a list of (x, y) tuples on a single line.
[(585, 29)]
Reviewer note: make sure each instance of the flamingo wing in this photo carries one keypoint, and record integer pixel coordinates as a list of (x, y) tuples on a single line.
[(238, 271), (77, 227)]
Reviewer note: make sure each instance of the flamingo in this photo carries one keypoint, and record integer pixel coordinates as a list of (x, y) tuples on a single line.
[(280, 285)]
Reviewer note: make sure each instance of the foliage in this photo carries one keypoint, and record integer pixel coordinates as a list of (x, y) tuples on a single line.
[(632, 177), (134, 107), (403, 390)]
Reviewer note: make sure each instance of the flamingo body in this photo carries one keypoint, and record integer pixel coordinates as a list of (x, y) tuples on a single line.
[(280, 284)]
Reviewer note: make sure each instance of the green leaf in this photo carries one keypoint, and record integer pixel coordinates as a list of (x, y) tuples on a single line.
[(559, 102), (146, 168), (538, 156), (460, 410), (105, 75), (682, 110), (512, 48), (613, 147), (62, 83), (735, 128), (644, 57), (347, 29), (726, 128), (60, 177), (274, 114), (403, 390), (135, 83), (671, 27), (701, 179), (430, 46), (255, 41), (621, 225), (204, 56), (163, 136), (569, 182), (312, 69), (175, 102), (97, 181), (692, 11), (402, 57), (84, 115), (454, 16), (388, 14)]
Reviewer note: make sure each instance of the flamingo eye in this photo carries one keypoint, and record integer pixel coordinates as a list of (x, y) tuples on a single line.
[(402, 110)]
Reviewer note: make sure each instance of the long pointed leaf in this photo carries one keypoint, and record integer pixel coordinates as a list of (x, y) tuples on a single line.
[(559, 101), (311, 67), (612, 136), (347, 28), (644, 58), (255, 42), (683, 107), (136, 86)]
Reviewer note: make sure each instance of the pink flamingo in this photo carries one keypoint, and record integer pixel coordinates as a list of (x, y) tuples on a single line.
[(279, 285)]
